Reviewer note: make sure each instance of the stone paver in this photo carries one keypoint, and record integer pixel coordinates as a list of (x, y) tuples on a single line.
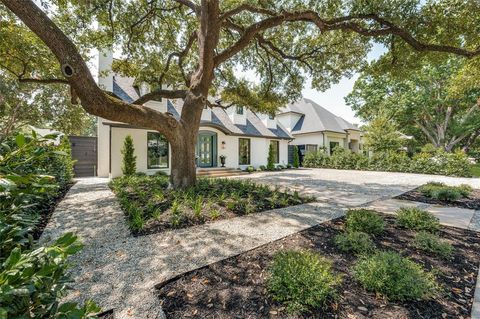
[(120, 271)]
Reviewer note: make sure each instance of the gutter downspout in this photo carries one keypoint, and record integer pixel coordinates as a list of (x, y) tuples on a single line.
[(109, 151)]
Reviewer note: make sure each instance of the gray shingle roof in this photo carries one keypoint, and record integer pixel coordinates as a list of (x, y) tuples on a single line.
[(315, 118), (123, 88)]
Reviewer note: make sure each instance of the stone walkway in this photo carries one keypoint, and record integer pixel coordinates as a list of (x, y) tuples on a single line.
[(120, 271)]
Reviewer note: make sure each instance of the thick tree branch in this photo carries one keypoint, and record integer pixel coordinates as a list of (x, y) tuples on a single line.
[(191, 5), (158, 94), (74, 68), (348, 23), (43, 81), (248, 8)]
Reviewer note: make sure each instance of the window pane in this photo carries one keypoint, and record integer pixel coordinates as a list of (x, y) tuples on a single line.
[(276, 152), (157, 151), (240, 110), (244, 151), (310, 148)]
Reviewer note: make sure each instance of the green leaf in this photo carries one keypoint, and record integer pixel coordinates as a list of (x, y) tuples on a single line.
[(20, 140)]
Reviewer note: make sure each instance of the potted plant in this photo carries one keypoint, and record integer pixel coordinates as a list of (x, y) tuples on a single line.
[(222, 160)]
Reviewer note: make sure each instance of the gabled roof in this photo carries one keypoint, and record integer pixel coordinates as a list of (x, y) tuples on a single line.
[(315, 118), (123, 88)]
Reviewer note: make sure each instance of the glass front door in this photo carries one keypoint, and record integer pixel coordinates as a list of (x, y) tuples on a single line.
[(205, 150)]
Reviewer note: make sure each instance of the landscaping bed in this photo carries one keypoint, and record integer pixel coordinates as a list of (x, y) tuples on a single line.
[(151, 206), (238, 287), (470, 201)]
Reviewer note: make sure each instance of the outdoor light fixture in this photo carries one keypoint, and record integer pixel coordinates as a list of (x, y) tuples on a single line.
[(223, 145)]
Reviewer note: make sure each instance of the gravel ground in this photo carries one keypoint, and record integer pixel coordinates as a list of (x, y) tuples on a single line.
[(120, 271)]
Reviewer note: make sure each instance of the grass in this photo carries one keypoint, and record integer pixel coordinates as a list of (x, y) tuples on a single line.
[(148, 202), (475, 170), (301, 280)]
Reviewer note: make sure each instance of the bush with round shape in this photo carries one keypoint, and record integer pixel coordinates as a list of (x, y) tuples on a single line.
[(356, 242), (433, 244), (364, 220), (301, 280), (395, 277), (417, 219)]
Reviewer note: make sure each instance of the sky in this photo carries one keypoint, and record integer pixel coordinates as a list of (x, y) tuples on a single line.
[(333, 98)]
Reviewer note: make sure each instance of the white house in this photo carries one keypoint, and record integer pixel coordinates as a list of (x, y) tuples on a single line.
[(314, 128), (242, 136), (239, 134)]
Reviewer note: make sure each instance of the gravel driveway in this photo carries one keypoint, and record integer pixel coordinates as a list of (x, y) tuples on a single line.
[(120, 271)]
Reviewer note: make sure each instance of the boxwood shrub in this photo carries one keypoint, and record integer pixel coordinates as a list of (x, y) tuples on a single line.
[(395, 277), (301, 280), (364, 220), (417, 219)]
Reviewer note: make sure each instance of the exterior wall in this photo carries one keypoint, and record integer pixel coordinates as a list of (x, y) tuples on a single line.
[(226, 145), (335, 137), (310, 138)]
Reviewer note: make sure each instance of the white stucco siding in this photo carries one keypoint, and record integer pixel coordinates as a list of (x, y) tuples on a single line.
[(311, 138), (103, 146)]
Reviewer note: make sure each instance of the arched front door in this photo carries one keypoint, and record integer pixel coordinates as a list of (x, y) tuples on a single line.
[(206, 149)]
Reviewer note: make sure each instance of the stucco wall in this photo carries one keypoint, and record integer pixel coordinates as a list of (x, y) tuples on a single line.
[(311, 138), (258, 150)]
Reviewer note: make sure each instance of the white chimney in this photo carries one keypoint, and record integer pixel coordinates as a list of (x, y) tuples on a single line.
[(105, 74)]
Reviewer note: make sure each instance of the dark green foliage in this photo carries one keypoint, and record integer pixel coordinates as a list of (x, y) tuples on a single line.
[(354, 241), (270, 159), (441, 191), (417, 219), (301, 280), (395, 277), (250, 169), (33, 172), (433, 244), (364, 220), (144, 198), (296, 157), (262, 167), (440, 163), (129, 162)]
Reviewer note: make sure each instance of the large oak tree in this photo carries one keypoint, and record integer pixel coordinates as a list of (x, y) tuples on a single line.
[(198, 47)]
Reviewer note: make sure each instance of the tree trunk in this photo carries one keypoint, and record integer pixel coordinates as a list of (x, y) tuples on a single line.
[(183, 173)]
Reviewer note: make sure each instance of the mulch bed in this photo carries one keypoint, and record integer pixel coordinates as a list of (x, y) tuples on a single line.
[(235, 287), (46, 210), (470, 202)]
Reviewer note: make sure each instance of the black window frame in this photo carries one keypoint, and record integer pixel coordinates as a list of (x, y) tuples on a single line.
[(159, 136), (249, 156), (239, 109)]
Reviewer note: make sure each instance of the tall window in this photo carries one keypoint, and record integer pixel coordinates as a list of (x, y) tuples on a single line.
[(271, 116), (333, 145), (239, 109), (157, 151), (244, 151), (276, 152), (310, 148)]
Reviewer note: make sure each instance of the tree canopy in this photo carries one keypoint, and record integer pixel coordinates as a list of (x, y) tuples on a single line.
[(428, 102)]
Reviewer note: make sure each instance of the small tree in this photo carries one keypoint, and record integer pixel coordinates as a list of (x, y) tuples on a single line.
[(271, 159), (296, 158), (129, 166), (381, 135)]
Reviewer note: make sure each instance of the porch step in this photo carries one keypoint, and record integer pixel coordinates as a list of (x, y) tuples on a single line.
[(220, 172)]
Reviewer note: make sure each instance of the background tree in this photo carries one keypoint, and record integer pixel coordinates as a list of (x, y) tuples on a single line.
[(205, 43), (382, 135), (129, 162), (425, 102)]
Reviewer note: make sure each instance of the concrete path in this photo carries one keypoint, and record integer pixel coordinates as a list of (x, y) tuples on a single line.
[(120, 271)]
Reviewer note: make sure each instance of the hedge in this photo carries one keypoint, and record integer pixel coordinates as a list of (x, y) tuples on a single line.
[(34, 172), (439, 163)]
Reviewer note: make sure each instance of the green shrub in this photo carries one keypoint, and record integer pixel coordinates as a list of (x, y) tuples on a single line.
[(316, 159), (250, 169), (33, 171), (129, 163), (301, 280), (364, 220), (296, 157), (433, 244), (417, 219), (263, 167), (289, 166), (355, 242), (161, 173), (270, 159), (395, 277), (443, 192)]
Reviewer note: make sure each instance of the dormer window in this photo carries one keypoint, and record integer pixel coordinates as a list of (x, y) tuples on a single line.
[(239, 110), (271, 116)]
